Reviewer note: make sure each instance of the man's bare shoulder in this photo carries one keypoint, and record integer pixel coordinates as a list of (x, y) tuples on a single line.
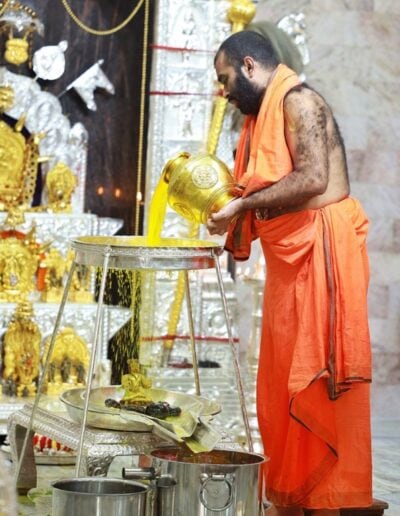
[(302, 100), (305, 111)]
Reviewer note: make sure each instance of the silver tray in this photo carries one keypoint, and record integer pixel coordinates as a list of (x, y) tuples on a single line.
[(110, 418), (136, 252)]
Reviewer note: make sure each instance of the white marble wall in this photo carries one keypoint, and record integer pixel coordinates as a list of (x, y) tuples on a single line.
[(355, 64)]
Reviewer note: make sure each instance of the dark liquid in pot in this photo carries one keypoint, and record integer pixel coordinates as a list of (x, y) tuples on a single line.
[(213, 457)]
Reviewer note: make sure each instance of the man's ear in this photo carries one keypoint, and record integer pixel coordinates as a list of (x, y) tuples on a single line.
[(248, 66)]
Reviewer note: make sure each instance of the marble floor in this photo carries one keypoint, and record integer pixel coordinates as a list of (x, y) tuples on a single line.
[(386, 458), (386, 446)]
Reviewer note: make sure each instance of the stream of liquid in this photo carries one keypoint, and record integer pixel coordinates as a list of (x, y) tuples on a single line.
[(141, 287), (158, 209), (133, 288)]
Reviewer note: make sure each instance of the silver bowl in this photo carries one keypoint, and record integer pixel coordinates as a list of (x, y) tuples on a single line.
[(138, 252)]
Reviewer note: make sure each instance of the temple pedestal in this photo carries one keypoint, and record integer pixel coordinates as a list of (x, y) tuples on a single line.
[(99, 448)]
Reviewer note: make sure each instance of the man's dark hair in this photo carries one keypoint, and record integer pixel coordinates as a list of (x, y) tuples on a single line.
[(248, 43)]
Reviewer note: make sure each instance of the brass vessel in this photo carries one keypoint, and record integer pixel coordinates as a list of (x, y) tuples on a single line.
[(197, 185)]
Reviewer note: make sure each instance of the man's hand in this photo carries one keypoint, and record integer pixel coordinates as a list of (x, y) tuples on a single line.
[(219, 222)]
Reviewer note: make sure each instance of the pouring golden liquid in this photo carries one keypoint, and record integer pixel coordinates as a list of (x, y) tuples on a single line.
[(198, 185), (193, 186), (158, 208)]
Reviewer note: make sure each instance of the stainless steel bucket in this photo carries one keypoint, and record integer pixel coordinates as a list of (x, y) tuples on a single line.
[(98, 497), (216, 483)]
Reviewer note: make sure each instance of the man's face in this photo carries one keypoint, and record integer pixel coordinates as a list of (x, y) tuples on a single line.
[(238, 89)]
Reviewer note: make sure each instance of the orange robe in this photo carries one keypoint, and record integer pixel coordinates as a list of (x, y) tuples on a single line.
[(315, 360)]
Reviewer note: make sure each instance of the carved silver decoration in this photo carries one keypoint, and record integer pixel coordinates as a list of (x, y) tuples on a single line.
[(80, 317), (295, 26), (108, 226), (181, 122), (60, 229), (49, 61), (20, 19), (100, 446), (72, 152), (229, 135), (25, 90), (44, 114), (86, 84), (190, 33), (209, 321)]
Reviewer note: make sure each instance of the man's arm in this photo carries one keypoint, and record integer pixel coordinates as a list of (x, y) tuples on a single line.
[(306, 136)]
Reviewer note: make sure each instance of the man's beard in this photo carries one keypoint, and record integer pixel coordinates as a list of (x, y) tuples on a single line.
[(247, 96)]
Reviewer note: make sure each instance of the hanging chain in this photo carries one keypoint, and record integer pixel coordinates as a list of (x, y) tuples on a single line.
[(4, 6), (141, 115), (142, 88), (101, 32)]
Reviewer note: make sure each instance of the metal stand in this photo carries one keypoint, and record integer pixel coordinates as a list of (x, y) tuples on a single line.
[(234, 358), (133, 253)]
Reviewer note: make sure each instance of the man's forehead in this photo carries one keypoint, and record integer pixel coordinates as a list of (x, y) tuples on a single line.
[(221, 57), (221, 62)]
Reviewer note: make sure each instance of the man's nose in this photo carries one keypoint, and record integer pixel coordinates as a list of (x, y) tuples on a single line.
[(222, 91)]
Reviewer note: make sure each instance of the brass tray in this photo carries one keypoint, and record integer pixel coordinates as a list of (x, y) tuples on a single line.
[(110, 418)]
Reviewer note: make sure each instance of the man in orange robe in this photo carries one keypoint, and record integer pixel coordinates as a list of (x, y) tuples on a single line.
[(315, 360)]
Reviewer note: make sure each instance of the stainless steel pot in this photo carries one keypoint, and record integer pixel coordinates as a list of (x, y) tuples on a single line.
[(98, 497), (216, 483)]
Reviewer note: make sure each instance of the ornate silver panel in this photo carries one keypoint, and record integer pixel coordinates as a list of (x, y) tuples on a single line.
[(180, 121), (79, 316), (183, 83), (158, 295), (59, 229), (44, 113), (100, 446)]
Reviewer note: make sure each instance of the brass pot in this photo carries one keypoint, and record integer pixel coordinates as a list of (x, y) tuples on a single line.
[(197, 185)]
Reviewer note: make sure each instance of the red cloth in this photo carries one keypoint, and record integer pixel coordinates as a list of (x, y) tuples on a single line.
[(315, 346), (262, 156)]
